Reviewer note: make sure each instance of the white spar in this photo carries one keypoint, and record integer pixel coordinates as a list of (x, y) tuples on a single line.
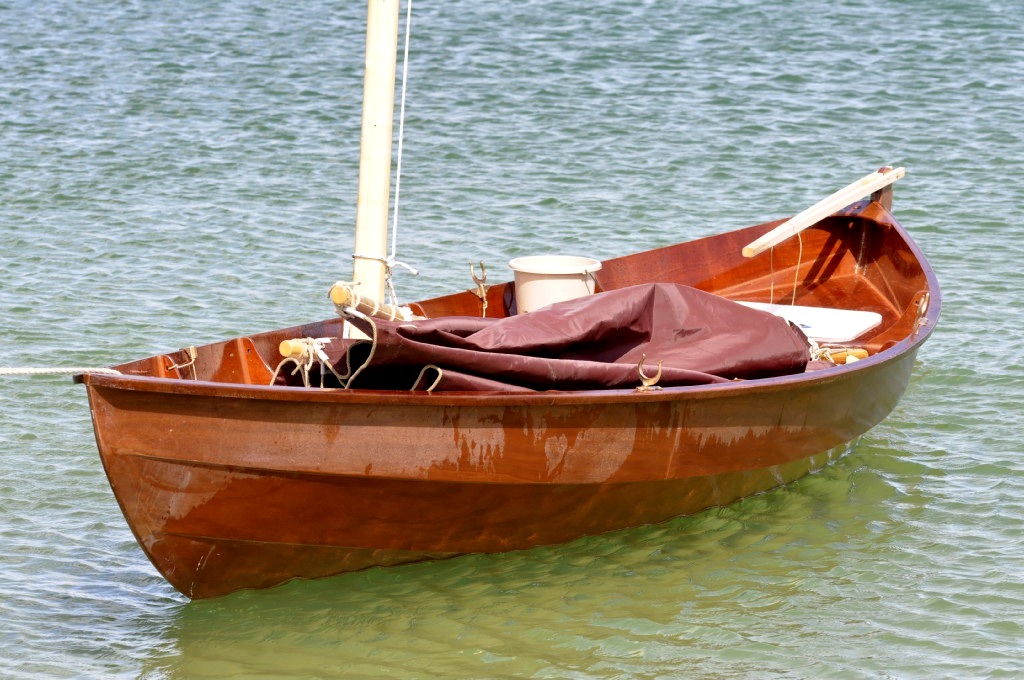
[(868, 184)]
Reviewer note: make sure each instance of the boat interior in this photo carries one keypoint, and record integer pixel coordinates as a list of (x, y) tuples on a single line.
[(854, 271)]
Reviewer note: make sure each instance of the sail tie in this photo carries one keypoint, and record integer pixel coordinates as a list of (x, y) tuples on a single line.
[(352, 311), (423, 372)]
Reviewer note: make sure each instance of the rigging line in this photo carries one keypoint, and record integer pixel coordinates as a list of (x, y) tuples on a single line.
[(401, 139), (59, 370), (796, 273)]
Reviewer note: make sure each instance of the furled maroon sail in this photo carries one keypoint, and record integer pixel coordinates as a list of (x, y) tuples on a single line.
[(588, 343)]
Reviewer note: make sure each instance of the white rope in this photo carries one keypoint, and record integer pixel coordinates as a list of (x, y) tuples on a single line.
[(27, 370), (423, 372), (819, 353), (796, 272), (392, 259), (352, 311), (312, 352), (401, 133)]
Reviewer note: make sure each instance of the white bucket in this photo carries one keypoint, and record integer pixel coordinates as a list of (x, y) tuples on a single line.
[(542, 280)]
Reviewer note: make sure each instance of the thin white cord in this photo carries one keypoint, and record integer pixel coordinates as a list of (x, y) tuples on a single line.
[(352, 311), (796, 273), (27, 370), (401, 133)]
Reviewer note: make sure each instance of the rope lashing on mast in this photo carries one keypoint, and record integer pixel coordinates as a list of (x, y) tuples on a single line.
[(389, 265), (307, 352)]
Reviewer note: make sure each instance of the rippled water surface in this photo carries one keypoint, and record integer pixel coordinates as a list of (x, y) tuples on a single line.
[(177, 173)]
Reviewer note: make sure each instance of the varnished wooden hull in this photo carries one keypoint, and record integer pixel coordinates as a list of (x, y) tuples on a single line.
[(229, 484), (309, 490)]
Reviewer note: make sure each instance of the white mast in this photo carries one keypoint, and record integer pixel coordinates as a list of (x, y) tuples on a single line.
[(375, 149)]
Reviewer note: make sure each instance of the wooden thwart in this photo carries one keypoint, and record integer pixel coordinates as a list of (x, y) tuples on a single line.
[(825, 207)]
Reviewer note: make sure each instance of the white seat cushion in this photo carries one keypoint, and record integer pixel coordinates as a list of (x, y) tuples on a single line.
[(823, 324)]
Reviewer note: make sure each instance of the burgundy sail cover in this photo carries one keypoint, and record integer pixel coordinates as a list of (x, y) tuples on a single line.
[(594, 342)]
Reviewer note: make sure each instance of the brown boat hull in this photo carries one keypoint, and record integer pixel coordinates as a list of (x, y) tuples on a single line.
[(229, 483), (228, 493)]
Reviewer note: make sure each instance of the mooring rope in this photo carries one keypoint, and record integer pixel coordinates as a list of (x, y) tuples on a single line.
[(30, 370)]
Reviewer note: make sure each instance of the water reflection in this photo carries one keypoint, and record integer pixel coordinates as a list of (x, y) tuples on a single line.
[(680, 598)]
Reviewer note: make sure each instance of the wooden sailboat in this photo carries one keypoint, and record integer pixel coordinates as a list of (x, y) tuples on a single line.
[(235, 474)]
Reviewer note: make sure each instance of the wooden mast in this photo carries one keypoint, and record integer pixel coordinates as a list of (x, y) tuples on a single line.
[(370, 250)]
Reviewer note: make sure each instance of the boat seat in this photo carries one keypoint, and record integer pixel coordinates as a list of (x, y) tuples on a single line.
[(824, 324)]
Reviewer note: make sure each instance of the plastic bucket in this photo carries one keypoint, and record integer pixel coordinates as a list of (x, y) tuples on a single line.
[(542, 280)]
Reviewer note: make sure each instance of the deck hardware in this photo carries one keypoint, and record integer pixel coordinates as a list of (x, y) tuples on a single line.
[(649, 383), (922, 309), (481, 289), (191, 352)]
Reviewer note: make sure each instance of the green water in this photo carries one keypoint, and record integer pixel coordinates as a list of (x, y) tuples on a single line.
[(177, 173)]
